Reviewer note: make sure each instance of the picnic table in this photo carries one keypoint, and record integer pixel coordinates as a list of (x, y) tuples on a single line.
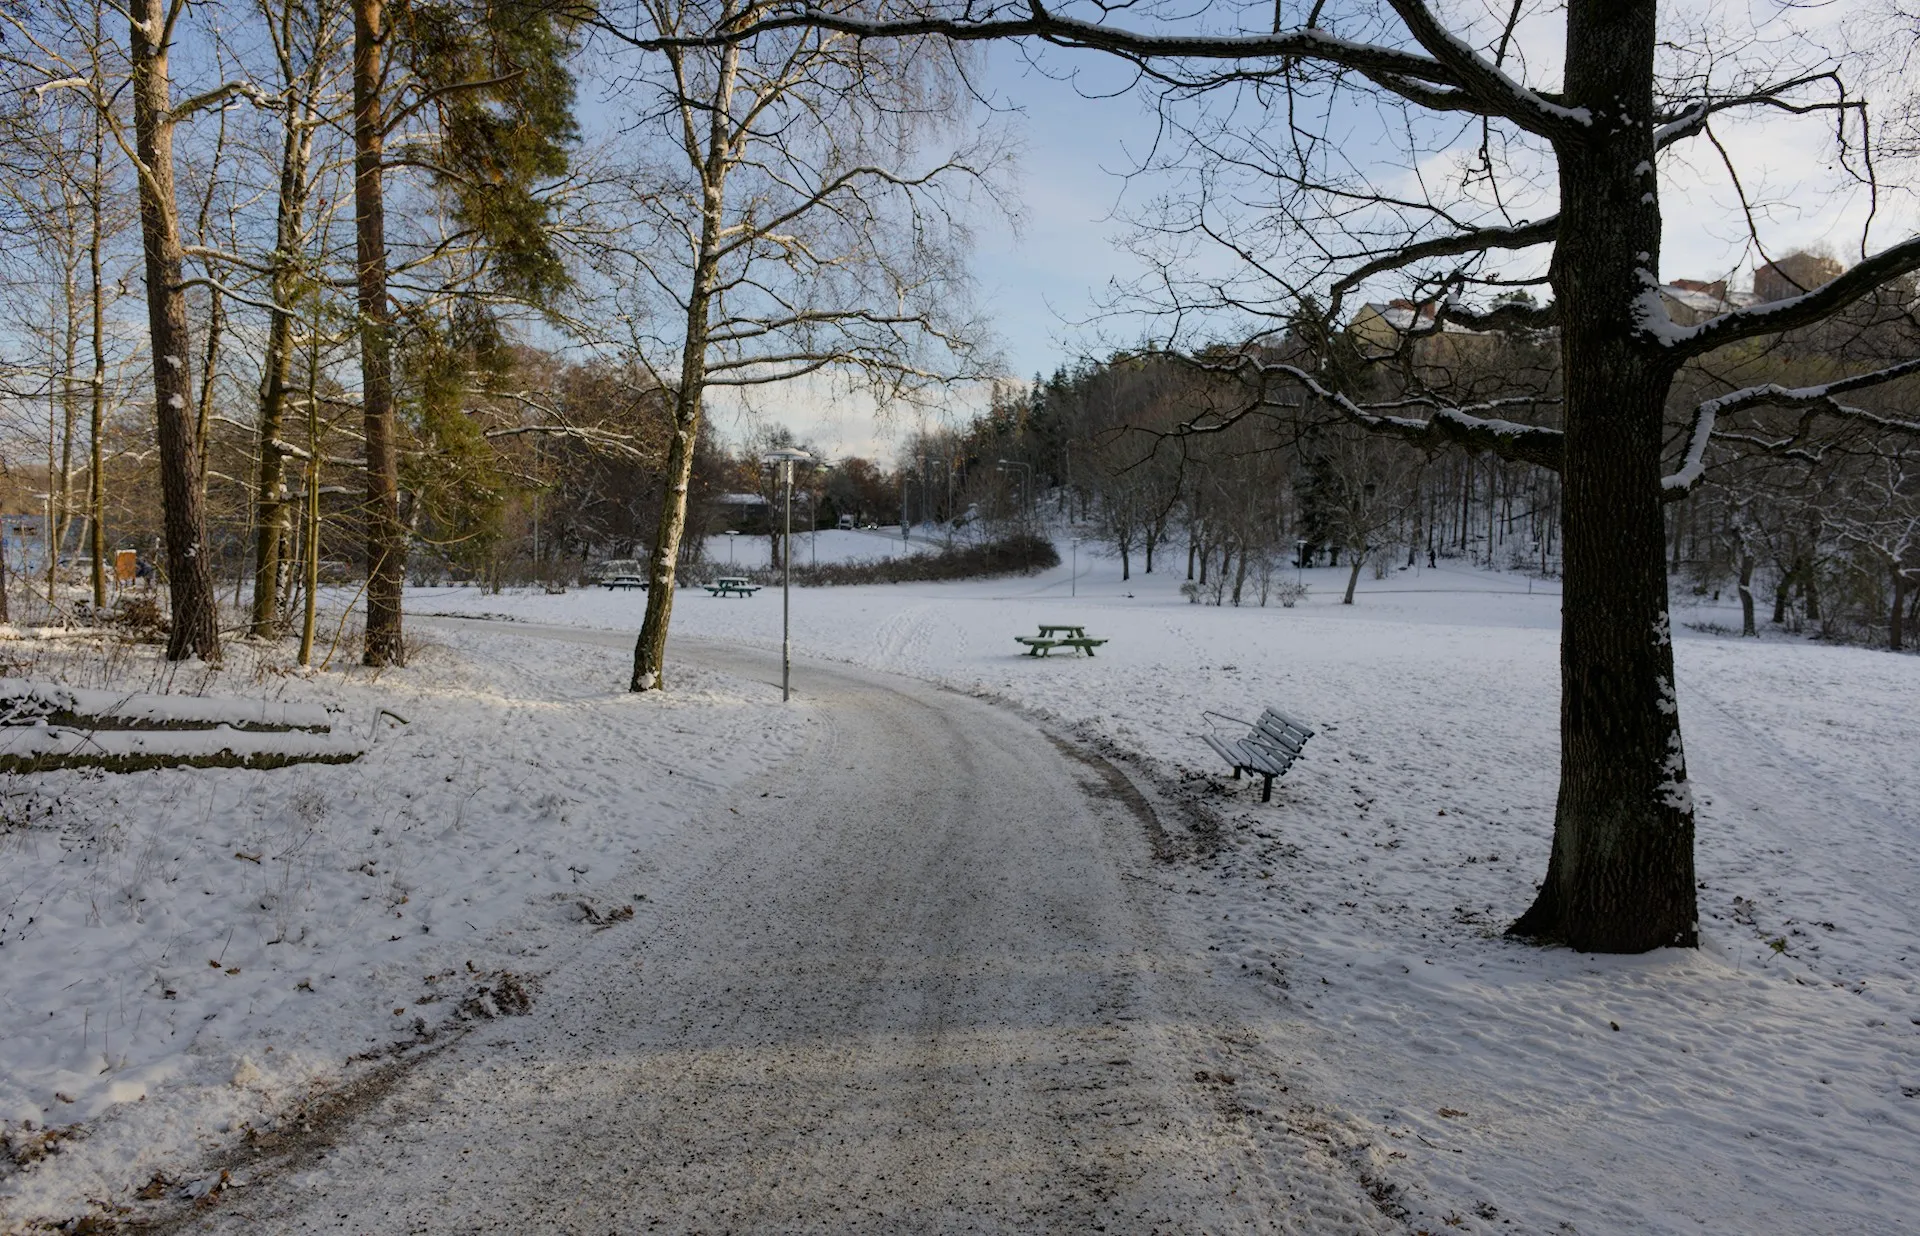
[(1059, 635), (730, 586)]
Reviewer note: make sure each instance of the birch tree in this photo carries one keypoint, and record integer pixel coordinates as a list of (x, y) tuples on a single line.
[(789, 222)]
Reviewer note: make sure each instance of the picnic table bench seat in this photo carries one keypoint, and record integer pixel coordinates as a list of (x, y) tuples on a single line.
[(1042, 645), (727, 586), (1268, 749)]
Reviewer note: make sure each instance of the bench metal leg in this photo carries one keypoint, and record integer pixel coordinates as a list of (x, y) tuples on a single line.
[(1266, 795)]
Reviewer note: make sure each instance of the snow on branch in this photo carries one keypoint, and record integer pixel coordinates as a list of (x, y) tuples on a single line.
[(1453, 78), (1692, 120), (604, 440), (1477, 240), (1796, 311), (1824, 398), (1467, 425), (1498, 93)]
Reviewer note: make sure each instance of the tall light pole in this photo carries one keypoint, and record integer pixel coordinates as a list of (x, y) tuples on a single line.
[(1028, 482), (785, 458), (732, 534)]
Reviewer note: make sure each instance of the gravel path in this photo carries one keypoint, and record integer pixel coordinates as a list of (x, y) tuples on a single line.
[(927, 984)]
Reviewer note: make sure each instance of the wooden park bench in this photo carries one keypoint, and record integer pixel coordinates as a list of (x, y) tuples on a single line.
[(728, 586), (1268, 749), (1059, 635)]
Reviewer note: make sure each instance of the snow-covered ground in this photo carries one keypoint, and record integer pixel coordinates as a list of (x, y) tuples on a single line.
[(1770, 1080), (186, 952)]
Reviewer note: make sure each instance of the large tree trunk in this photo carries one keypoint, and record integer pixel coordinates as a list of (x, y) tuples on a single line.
[(270, 483), (1620, 878), (196, 630), (1746, 593), (1896, 630), (271, 526), (650, 649), (97, 412), (386, 538)]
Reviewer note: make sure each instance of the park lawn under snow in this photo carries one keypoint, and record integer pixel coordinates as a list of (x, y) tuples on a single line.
[(186, 953), (1770, 1080)]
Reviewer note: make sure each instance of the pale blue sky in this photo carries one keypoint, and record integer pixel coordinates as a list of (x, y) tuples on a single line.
[(1043, 287)]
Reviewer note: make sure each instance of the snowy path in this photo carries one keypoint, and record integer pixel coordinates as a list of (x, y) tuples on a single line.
[(928, 983)]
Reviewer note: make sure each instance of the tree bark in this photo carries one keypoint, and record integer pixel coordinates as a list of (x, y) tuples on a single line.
[(386, 538), (1896, 630), (271, 526), (650, 648), (1621, 877), (1746, 594), (196, 631), (97, 412)]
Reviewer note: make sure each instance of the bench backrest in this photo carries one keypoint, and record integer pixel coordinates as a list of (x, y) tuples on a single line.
[(1276, 728)]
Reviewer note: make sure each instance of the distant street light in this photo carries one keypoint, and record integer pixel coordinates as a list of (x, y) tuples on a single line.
[(1299, 559), (1027, 482), (731, 534), (785, 458)]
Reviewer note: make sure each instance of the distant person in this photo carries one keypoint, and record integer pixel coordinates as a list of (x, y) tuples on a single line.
[(142, 570)]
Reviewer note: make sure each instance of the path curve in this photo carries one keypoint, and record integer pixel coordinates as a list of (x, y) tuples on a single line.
[(929, 989)]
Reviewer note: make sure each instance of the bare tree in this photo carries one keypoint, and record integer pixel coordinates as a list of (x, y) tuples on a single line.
[(1621, 875), (68, 49), (306, 37), (787, 225)]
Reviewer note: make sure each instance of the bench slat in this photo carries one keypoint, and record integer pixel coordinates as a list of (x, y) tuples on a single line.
[(1269, 749)]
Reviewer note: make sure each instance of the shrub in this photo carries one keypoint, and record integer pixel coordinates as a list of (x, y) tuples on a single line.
[(1019, 555)]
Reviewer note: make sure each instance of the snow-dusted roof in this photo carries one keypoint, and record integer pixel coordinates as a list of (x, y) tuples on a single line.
[(1402, 316), (1702, 302)]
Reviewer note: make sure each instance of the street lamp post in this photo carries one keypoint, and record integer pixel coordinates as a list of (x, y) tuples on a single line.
[(1299, 560), (731, 534), (785, 458), (1027, 482)]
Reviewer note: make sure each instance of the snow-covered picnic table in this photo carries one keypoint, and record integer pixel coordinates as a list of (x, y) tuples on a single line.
[(1056, 635)]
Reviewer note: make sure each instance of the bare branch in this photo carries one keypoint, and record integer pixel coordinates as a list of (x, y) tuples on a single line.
[(1805, 310)]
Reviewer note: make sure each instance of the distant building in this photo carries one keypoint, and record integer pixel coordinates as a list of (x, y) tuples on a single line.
[(1380, 326), (1690, 302), (1793, 275), (743, 512)]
